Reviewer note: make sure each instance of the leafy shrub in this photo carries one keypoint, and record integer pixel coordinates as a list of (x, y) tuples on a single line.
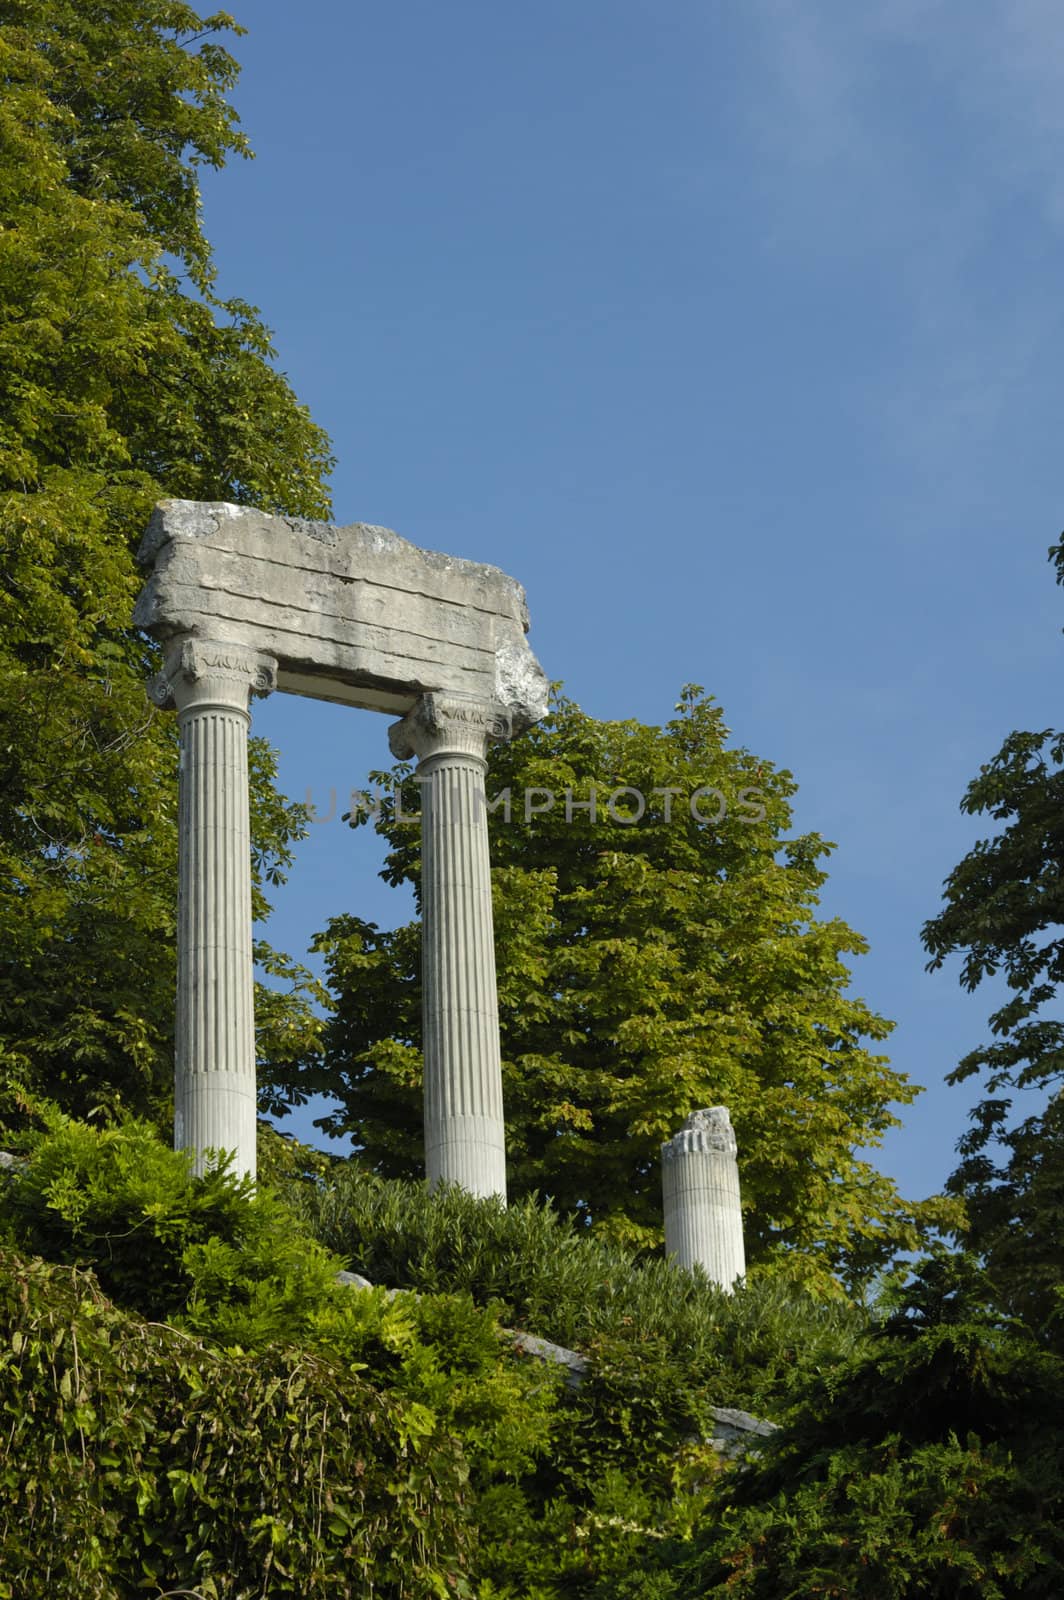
[(928, 1468), (231, 1263), (956, 1520), (238, 1272), (755, 1348), (562, 1494), (628, 1470), (137, 1458), (119, 1201)]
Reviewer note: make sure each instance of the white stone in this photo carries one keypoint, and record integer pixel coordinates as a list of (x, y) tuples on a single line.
[(354, 614), (700, 1185), (465, 1136), (211, 684), (244, 602)]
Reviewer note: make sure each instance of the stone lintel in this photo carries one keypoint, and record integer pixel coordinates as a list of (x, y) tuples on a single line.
[(352, 614)]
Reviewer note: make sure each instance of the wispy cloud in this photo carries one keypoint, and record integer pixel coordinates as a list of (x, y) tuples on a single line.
[(922, 143), (858, 91)]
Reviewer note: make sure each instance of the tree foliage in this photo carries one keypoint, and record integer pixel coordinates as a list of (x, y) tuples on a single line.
[(384, 1405), (1004, 913), (929, 1466), (647, 966), (1004, 916), (283, 1434), (123, 379), (140, 1459)]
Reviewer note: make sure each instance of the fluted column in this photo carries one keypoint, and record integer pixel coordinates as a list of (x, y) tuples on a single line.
[(465, 1140), (211, 684), (700, 1183)]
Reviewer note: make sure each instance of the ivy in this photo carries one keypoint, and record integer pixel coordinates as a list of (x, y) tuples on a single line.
[(139, 1459)]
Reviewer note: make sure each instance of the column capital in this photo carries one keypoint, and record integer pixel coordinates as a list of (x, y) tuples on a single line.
[(200, 672), (446, 724), (705, 1130)]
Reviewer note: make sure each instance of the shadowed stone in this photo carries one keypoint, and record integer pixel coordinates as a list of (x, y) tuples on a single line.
[(353, 1280), (576, 1366), (735, 1433)]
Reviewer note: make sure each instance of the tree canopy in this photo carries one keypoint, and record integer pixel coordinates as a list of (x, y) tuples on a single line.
[(124, 378), (648, 965), (1003, 914)]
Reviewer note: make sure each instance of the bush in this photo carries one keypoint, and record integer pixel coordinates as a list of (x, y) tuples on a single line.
[(756, 1348), (628, 1471), (231, 1263), (550, 1492), (137, 1458), (929, 1468), (119, 1201), (258, 1295)]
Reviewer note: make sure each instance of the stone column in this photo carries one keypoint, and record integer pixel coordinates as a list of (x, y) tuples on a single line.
[(211, 684), (465, 1142), (700, 1181)]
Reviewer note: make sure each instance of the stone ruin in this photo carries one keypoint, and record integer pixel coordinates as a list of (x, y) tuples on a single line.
[(244, 603), (700, 1187)]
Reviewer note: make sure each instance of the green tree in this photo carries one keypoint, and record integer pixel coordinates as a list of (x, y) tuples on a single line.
[(1004, 912), (123, 379), (647, 966), (929, 1467), (932, 1465), (1004, 915)]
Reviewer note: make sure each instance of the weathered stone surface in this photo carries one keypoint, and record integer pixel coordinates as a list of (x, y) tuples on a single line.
[(708, 1129), (353, 1280), (577, 1366), (211, 684), (700, 1188), (244, 602), (355, 614), (465, 1136), (737, 1432)]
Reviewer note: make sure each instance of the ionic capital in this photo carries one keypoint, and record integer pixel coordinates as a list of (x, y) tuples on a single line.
[(206, 672), (449, 724), (709, 1129)]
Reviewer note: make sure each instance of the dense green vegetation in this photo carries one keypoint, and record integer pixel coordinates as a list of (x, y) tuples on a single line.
[(138, 1459), (421, 1432), (280, 1433), (930, 1464), (123, 379), (648, 965), (553, 1277), (1003, 913)]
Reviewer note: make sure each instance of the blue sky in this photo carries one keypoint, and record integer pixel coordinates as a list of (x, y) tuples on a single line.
[(734, 332)]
